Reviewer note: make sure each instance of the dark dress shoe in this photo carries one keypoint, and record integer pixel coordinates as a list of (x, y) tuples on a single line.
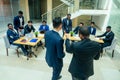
[(59, 77)]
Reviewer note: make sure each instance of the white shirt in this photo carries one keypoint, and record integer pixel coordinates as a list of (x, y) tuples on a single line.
[(91, 29), (108, 33), (67, 22), (21, 20)]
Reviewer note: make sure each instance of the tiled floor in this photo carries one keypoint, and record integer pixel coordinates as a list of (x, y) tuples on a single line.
[(14, 68)]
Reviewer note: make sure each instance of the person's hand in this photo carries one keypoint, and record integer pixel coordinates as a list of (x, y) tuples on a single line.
[(67, 36)]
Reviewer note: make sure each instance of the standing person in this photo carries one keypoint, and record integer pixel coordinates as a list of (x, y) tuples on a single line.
[(92, 29), (18, 20), (44, 27), (29, 27), (67, 24), (54, 48), (76, 30), (84, 52)]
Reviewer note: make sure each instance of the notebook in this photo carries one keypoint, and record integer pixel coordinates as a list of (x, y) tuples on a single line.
[(33, 40)]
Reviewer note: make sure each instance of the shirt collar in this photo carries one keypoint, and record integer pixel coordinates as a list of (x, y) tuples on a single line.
[(55, 30)]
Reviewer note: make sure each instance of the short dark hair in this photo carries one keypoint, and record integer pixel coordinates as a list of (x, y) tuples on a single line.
[(29, 21), (93, 23), (43, 21), (82, 23), (57, 22), (9, 24), (84, 31), (20, 12), (68, 14), (109, 27)]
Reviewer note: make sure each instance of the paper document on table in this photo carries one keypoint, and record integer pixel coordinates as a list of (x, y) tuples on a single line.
[(41, 35), (97, 38)]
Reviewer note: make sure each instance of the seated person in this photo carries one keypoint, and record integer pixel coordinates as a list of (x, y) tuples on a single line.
[(76, 30), (12, 36), (109, 36), (21, 31), (92, 29), (29, 28), (44, 27)]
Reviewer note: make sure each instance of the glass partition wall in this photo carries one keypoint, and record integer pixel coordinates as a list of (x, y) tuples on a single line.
[(8, 9)]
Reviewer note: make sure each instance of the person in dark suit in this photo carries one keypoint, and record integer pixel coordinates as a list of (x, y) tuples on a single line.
[(84, 52), (92, 28), (44, 27), (18, 20), (67, 24), (54, 48), (29, 28), (76, 30), (12, 36), (109, 36)]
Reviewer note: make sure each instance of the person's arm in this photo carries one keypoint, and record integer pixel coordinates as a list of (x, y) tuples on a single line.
[(26, 30), (94, 31), (33, 28), (110, 38), (23, 21), (70, 25), (101, 35), (40, 28), (69, 47), (15, 21), (47, 28), (76, 30), (60, 49), (12, 36), (63, 24)]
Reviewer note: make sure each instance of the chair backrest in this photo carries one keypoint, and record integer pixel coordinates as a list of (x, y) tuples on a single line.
[(7, 44), (114, 42)]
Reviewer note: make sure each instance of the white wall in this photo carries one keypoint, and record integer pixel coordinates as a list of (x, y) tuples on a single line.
[(99, 20)]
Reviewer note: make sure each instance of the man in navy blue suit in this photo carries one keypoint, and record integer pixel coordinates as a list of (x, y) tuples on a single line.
[(92, 28), (44, 27), (84, 52), (18, 20), (67, 24), (54, 48), (29, 28), (76, 30), (109, 36), (12, 36)]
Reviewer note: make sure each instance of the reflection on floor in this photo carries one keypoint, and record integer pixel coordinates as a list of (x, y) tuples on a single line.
[(12, 67)]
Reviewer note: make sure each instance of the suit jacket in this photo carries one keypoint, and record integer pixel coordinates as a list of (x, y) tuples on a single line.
[(44, 28), (94, 30), (27, 29), (109, 36), (16, 22), (84, 52), (12, 36), (76, 30), (66, 27), (54, 48)]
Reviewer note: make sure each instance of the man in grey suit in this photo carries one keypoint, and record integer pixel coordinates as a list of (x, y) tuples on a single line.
[(84, 52), (54, 48)]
